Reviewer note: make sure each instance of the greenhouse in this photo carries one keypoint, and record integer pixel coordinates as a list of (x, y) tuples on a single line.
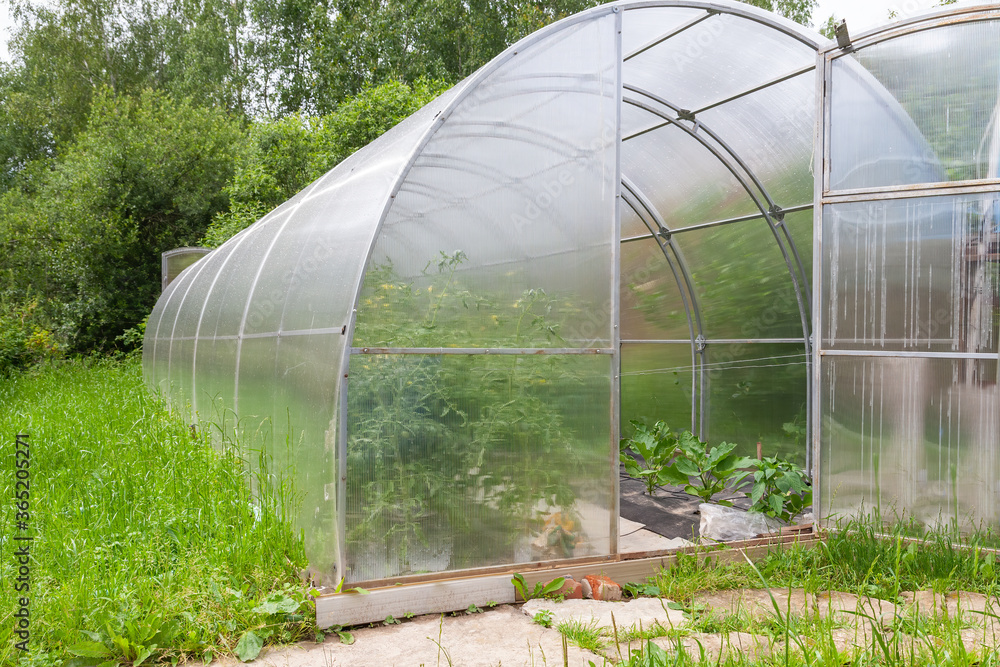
[(690, 211)]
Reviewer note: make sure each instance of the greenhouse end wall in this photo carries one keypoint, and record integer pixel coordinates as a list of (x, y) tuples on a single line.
[(908, 406)]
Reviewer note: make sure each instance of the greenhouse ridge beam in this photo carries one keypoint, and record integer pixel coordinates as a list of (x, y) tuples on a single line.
[(659, 40), (719, 223), (771, 21), (755, 89), (437, 351)]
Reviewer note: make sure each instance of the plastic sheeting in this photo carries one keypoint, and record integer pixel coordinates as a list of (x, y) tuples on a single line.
[(431, 338)]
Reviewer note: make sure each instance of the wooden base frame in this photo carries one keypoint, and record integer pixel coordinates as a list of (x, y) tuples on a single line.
[(446, 592)]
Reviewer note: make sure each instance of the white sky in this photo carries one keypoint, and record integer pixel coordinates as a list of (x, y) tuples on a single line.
[(861, 15)]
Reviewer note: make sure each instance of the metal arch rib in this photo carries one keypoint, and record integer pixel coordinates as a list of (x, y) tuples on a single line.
[(748, 12), (695, 328), (673, 33), (766, 210)]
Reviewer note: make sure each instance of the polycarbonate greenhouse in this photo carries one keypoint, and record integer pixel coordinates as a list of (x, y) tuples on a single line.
[(690, 211)]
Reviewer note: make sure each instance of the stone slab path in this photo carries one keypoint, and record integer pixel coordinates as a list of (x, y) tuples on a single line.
[(507, 636)]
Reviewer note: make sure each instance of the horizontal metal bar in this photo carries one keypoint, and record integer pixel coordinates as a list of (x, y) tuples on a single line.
[(720, 341), (909, 191), (911, 354), (672, 33), (716, 223), (647, 130), (265, 334), (432, 351), (768, 84)]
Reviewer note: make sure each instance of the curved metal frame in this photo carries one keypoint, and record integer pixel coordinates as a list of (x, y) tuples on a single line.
[(792, 30), (628, 193)]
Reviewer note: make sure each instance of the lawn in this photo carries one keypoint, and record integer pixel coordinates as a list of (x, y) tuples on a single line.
[(875, 567), (148, 543)]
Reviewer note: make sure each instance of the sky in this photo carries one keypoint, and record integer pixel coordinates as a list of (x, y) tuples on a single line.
[(861, 15)]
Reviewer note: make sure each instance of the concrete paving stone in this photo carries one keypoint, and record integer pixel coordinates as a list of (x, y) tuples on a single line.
[(715, 647), (502, 636), (969, 607), (851, 609), (972, 607), (927, 604), (627, 615), (756, 604), (981, 640)]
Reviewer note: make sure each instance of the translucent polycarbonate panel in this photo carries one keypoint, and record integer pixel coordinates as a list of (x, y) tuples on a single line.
[(173, 262), (720, 57), (226, 303), (918, 108), (771, 131), (912, 274), (305, 401), (632, 224), (657, 383), (701, 187), (800, 229), (263, 327), (743, 285), (758, 393), (651, 299), (911, 436), (168, 350), (643, 25), (502, 231), (156, 342), (463, 461)]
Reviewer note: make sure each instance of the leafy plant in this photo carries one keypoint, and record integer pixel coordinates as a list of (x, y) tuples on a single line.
[(543, 617), (647, 453), (684, 460), (637, 589), (541, 590), (780, 488)]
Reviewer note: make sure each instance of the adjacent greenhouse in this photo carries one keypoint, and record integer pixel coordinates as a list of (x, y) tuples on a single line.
[(621, 217)]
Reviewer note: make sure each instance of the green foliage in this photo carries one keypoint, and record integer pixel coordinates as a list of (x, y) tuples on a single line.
[(684, 460), (780, 489), (829, 29), (23, 339), (145, 176), (541, 590), (647, 453), (641, 589), (280, 157), (586, 635), (799, 11), (543, 618), (150, 544)]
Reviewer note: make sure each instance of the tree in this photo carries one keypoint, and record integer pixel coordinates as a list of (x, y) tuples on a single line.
[(146, 175), (799, 11), (283, 156)]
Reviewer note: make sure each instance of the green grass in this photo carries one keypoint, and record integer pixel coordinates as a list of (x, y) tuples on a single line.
[(868, 557), (148, 541)]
